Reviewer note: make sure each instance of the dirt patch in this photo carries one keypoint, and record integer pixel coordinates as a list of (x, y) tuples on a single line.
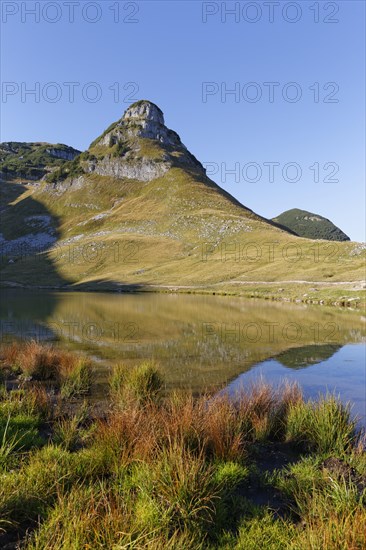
[(267, 458), (340, 470)]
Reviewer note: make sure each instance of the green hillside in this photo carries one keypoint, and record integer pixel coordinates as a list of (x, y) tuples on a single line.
[(32, 160), (311, 226), (137, 211)]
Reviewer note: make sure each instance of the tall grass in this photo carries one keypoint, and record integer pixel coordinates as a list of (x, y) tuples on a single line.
[(37, 361), (173, 471), (324, 426), (332, 507), (8, 445), (68, 431), (136, 384), (33, 401), (40, 362), (87, 517), (21, 413), (75, 378)]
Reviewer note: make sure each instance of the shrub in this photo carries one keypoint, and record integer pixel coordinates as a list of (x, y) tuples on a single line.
[(121, 149), (70, 169)]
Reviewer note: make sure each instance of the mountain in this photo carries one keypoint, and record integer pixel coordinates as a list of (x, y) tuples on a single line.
[(137, 210), (32, 160), (305, 356), (311, 226)]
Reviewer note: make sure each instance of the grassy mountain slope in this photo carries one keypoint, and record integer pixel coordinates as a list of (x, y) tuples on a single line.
[(170, 226), (311, 226)]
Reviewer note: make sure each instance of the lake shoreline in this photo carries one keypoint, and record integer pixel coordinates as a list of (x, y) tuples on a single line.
[(297, 293)]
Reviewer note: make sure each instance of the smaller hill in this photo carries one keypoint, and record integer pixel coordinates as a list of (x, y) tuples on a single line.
[(32, 160), (309, 225), (305, 356)]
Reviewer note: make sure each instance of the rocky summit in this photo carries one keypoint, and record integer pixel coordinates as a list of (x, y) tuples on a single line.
[(136, 210), (139, 146), (143, 119)]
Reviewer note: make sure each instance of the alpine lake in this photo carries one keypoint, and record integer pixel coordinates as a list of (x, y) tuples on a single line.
[(200, 342)]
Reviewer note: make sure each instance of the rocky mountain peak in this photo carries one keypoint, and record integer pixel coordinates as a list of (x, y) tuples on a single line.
[(145, 110), (139, 146), (144, 119)]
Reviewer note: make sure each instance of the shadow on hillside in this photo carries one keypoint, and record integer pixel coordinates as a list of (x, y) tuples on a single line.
[(108, 285), (24, 257), (9, 192), (28, 231)]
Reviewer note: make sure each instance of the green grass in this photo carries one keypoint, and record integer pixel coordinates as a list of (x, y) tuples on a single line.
[(176, 471), (261, 532), (21, 415), (9, 443), (324, 425), (76, 381), (329, 505), (140, 384)]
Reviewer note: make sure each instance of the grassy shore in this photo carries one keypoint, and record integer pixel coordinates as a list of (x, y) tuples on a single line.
[(351, 294), (266, 470)]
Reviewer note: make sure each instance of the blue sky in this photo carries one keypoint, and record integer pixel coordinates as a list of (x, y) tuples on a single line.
[(168, 52)]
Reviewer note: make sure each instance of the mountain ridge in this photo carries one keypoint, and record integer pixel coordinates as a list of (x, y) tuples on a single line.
[(138, 190)]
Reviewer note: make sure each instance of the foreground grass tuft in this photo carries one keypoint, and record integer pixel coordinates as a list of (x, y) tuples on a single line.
[(37, 362), (136, 384), (324, 426)]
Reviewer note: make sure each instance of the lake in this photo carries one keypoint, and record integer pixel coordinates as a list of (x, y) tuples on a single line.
[(201, 342)]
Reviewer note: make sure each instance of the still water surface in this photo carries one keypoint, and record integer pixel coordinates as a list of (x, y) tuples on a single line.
[(200, 342)]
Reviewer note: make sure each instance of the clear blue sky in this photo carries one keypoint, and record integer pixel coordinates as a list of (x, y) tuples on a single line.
[(169, 52)]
